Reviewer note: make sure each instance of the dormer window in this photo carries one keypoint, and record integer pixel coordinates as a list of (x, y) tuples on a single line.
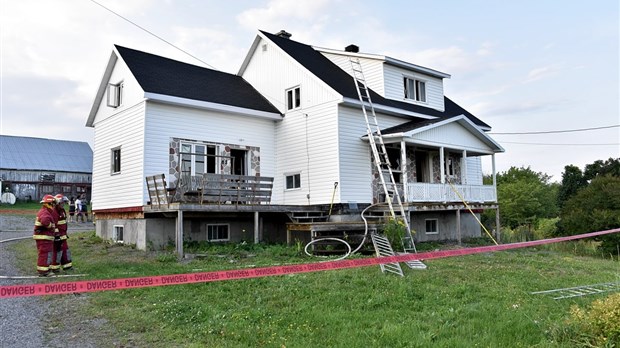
[(415, 89), (293, 98), (115, 92)]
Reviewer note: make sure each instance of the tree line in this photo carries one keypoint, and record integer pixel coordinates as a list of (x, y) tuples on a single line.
[(533, 207)]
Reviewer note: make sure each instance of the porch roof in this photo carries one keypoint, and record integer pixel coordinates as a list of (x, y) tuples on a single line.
[(412, 128)]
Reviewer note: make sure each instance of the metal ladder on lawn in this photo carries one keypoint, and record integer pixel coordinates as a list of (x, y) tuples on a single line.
[(379, 152), (579, 290), (383, 248)]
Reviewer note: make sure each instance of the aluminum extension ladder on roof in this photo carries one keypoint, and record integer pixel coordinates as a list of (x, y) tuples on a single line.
[(379, 152), (579, 290)]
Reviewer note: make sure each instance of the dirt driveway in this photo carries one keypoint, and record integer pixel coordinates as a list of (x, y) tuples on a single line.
[(52, 321)]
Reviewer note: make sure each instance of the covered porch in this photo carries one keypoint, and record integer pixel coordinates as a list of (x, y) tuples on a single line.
[(438, 162)]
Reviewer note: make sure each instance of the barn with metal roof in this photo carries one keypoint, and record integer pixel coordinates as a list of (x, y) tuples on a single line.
[(33, 167)]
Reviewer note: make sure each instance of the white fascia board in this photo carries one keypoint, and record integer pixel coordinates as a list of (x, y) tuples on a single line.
[(466, 123), (249, 55), (102, 87), (387, 109), (350, 54), (162, 98)]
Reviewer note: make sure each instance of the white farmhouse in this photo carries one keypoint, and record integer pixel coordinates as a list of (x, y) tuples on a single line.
[(280, 150)]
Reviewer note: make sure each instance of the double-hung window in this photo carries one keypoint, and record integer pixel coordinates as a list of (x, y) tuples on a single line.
[(415, 89), (293, 98)]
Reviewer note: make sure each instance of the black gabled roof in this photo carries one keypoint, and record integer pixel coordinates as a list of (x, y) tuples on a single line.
[(343, 83), (160, 75)]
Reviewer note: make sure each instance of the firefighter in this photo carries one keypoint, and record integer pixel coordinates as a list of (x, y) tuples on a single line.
[(44, 227), (61, 249)]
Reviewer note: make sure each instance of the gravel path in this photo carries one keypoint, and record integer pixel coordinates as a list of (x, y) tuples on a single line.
[(27, 322)]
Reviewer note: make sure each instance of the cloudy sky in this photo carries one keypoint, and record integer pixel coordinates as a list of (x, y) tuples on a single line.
[(521, 66)]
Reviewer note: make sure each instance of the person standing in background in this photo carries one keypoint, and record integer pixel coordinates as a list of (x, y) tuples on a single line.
[(71, 209), (78, 210)]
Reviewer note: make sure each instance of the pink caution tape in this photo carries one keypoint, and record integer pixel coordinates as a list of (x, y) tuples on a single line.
[(58, 288)]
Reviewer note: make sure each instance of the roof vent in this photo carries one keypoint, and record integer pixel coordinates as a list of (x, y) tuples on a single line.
[(352, 48), (284, 34)]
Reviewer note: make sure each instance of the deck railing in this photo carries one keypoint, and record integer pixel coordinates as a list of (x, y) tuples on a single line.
[(426, 192), (225, 189)]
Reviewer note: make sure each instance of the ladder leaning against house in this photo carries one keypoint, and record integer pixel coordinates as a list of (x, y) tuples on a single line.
[(380, 155)]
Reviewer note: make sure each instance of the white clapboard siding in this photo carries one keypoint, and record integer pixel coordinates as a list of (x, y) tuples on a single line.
[(453, 135), (131, 93), (271, 71), (394, 87), (165, 122), (125, 130), (372, 69), (307, 143), (354, 154)]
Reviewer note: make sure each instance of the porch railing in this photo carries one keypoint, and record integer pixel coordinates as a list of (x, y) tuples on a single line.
[(426, 192)]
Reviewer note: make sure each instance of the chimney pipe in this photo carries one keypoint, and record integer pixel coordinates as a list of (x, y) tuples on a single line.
[(284, 34), (352, 48)]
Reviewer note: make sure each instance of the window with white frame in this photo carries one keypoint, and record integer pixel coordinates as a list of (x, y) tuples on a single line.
[(218, 233), (198, 158), (293, 181), (117, 234), (116, 160), (115, 94), (415, 89), (293, 98), (431, 226)]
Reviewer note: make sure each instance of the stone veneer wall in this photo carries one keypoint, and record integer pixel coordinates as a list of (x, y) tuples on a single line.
[(174, 171)]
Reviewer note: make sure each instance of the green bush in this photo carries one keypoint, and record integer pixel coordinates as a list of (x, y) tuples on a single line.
[(597, 326)]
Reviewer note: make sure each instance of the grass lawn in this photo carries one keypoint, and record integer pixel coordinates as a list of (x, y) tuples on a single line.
[(479, 300)]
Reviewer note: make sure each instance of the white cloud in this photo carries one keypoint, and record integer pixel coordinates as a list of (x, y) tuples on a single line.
[(540, 73), (278, 13)]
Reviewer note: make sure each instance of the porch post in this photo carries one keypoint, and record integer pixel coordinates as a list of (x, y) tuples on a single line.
[(442, 166), (458, 225), (256, 228), (464, 168), (179, 234), (494, 176), (404, 169)]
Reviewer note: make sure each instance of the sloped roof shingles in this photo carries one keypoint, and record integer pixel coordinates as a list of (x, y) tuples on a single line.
[(160, 75), (342, 82)]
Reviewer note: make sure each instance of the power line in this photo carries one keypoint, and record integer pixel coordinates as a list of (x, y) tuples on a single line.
[(556, 131), (552, 144), (162, 39)]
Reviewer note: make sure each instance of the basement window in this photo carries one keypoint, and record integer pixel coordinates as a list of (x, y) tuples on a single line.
[(293, 98), (117, 235), (415, 89), (116, 160), (115, 94), (218, 233), (293, 181), (431, 226)]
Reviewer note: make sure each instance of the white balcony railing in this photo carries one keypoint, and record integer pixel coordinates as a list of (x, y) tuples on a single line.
[(425, 192)]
